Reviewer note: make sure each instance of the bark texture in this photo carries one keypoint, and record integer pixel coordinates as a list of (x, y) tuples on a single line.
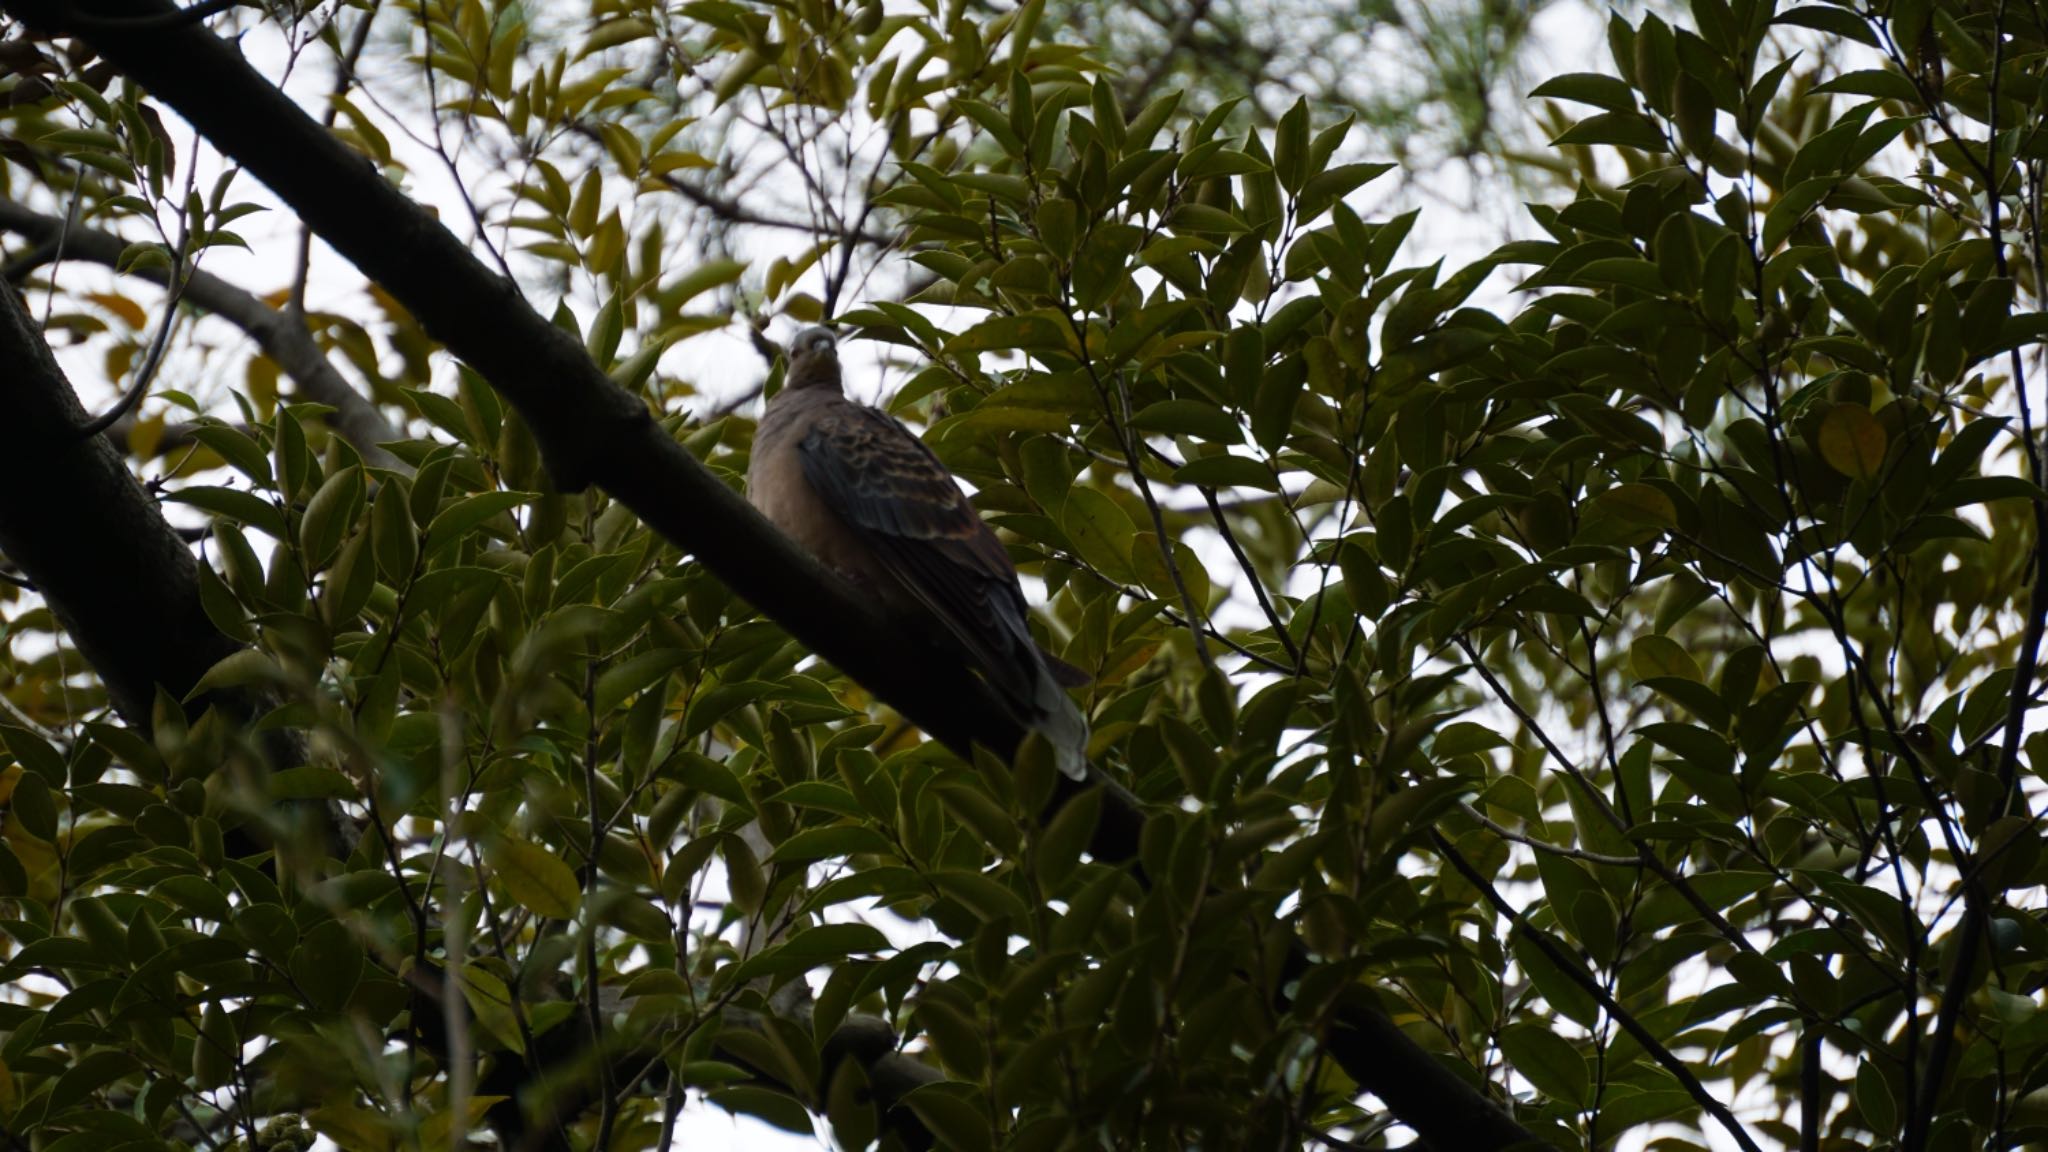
[(115, 573)]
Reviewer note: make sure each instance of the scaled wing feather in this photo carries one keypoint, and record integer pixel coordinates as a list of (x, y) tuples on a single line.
[(882, 481)]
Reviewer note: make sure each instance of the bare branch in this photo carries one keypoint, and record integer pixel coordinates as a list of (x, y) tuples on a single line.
[(591, 431), (281, 338)]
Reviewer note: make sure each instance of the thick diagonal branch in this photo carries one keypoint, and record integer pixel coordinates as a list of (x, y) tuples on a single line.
[(126, 588), (117, 576), (137, 632), (593, 432)]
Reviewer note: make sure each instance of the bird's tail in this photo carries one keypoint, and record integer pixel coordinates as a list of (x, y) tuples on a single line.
[(1061, 723), (1067, 675)]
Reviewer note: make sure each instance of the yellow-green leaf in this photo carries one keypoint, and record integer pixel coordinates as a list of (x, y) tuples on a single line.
[(536, 878), (1639, 504), (1852, 441), (1653, 656), (1100, 530)]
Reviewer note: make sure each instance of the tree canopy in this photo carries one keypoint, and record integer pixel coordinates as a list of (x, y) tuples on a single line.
[(1585, 698)]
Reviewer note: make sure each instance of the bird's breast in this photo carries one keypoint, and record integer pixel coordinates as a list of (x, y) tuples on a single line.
[(777, 487)]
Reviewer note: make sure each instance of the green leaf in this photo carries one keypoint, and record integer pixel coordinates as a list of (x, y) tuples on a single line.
[(1623, 1108), (491, 1002), (34, 806), (1559, 988), (329, 515), (352, 1127), (1290, 147), (1202, 219), (1832, 20), (1618, 129), (1606, 92), (1984, 315), (1550, 1062), (1874, 1098), (13, 885), (236, 670), (1882, 83), (1654, 655), (776, 1108), (1152, 572), (1792, 207), (195, 895), (327, 964), (1693, 744), (393, 538), (979, 894), (813, 947), (948, 1110), (36, 755), (1189, 418), (1227, 472), (1101, 533), (467, 514), (242, 453), (1028, 331), (1625, 271), (1695, 697), (311, 782), (1215, 160), (88, 1074), (825, 843), (1058, 219), (1628, 514), (234, 504), (1147, 123), (1061, 845), (1984, 489), (1852, 441), (536, 878), (1279, 392), (822, 795)]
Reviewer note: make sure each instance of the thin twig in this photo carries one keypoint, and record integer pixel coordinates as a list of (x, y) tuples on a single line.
[(344, 78), (1629, 1024), (1251, 574), (1977, 913), (1127, 438), (1648, 858), (282, 337), (1528, 841), (156, 347), (1179, 38)]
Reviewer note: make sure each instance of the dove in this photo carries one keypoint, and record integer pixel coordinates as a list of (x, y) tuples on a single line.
[(861, 493)]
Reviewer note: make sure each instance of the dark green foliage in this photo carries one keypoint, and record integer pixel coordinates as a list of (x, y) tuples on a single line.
[(1613, 659)]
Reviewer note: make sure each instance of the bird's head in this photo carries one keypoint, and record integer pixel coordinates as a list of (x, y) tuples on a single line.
[(813, 360)]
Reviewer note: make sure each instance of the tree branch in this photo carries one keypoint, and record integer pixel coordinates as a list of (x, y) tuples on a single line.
[(137, 633), (117, 576), (284, 341), (590, 430), (125, 586), (1629, 1024), (593, 432)]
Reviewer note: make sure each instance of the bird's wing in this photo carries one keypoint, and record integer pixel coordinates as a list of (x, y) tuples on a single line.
[(886, 486)]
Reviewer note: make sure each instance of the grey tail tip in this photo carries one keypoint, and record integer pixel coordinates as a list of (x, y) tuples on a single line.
[(1063, 726), (1071, 761)]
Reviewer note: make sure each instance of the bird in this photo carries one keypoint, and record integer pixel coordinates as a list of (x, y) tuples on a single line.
[(864, 495)]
